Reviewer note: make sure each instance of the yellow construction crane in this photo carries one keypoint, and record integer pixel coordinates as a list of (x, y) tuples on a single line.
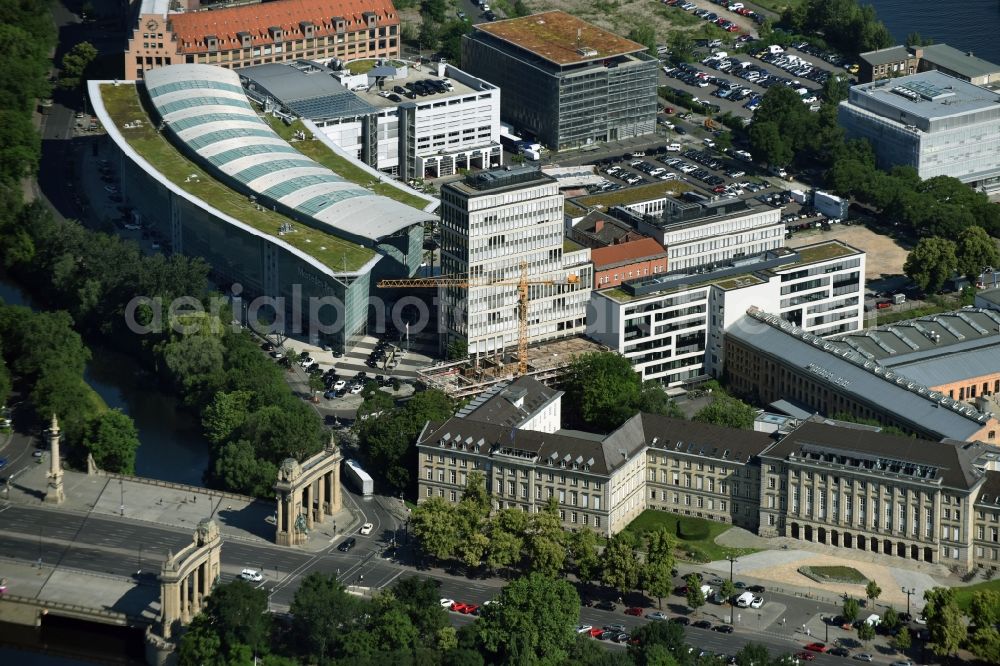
[(464, 282)]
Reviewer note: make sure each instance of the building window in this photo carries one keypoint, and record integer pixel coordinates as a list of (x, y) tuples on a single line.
[(453, 496)]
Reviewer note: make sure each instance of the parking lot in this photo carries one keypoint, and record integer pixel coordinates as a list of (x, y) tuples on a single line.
[(885, 256), (737, 81)]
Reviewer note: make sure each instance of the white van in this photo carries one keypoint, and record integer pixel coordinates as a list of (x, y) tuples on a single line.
[(674, 148), (744, 600), (774, 49)]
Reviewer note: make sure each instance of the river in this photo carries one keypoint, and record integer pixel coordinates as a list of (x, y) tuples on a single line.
[(172, 447), (968, 25)]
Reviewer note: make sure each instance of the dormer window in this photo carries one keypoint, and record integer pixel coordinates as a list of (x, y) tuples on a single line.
[(308, 29), (371, 18), (246, 39), (276, 33), (212, 42), (339, 24)]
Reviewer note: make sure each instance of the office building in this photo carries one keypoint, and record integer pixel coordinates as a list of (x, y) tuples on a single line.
[(492, 224), (921, 376), (209, 177), (167, 32), (671, 327), (935, 123), (903, 60), (565, 82), (614, 264), (404, 119), (844, 485)]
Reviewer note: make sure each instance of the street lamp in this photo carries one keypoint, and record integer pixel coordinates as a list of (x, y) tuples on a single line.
[(732, 561), (908, 593), (121, 486)]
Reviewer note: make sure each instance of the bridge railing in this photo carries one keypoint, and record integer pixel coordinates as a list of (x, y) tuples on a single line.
[(181, 486), (61, 607)]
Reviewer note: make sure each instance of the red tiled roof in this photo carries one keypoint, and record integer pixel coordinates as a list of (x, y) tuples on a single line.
[(191, 28), (623, 253)]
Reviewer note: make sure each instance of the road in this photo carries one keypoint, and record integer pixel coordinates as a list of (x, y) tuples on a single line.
[(120, 547)]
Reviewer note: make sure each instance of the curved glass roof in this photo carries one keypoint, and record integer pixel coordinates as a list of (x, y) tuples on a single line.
[(204, 108)]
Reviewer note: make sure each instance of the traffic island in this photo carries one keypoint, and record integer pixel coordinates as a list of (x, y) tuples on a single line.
[(846, 575)]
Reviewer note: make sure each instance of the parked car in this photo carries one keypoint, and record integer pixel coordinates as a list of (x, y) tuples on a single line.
[(805, 656), (723, 628), (816, 647), (702, 624), (634, 610), (657, 615), (606, 605)]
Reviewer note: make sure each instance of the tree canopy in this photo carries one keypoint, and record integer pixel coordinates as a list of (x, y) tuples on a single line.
[(931, 262)]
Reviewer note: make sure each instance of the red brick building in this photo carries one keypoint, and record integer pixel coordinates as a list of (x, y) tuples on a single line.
[(615, 264), (260, 33)]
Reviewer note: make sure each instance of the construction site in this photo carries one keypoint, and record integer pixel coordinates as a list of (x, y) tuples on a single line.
[(545, 362)]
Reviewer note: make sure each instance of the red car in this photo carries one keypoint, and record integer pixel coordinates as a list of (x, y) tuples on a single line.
[(470, 609), (882, 305), (459, 607), (595, 632), (806, 656), (634, 610), (817, 647)]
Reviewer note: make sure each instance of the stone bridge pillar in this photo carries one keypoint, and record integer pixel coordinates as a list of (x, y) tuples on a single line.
[(187, 577), (306, 494)]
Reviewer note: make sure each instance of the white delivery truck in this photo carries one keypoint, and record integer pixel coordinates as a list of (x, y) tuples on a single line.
[(744, 600)]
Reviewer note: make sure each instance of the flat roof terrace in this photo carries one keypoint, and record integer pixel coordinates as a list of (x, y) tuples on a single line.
[(560, 39), (123, 105), (413, 75)]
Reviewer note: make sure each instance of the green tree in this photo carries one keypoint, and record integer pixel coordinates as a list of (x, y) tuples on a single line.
[(768, 142), (471, 515), (944, 621), (288, 430), (681, 45), (111, 438), (201, 645), (903, 640), (533, 621), (930, 263), (434, 526), (451, 39), (851, 610), (654, 400), (695, 597), (984, 608), (656, 642), (225, 416), (507, 530), (420, 599), (5, 381), (729, 412), (320, 610), (544, 540), (915, 39), (604, 388), (458, 349), (890, 618), (752, 654), (985, 644), (237, 468), (975, 250), (238, 613), (657, 572), (583, 546), (872, 591), (619, 563), (727, 590), (866, 632), (521, 8), (74, 65), (645, 35)]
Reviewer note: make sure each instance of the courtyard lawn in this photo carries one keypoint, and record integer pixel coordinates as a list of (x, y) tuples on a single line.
[(695, 536), (963, 595)]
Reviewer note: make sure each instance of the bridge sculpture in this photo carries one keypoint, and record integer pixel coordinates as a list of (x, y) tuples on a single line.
[(188, 576)]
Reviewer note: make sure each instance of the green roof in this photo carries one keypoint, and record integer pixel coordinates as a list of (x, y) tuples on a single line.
[(123, 105), (809, 254), (341, 165), (630, 195)]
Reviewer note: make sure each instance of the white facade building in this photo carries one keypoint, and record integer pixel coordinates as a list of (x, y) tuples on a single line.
[(671, 327), (707, 233), (492, 223), (405, 119)]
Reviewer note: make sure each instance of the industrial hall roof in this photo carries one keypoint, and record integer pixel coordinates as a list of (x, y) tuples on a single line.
[(204, 108), (307, 89), (560, 38), (229, 24)]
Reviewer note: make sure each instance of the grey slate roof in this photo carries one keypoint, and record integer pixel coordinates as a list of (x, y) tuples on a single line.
[(509, 403), (864, 381), (989, 494), (886, 56), (704, 439), (960, 62), (952, 462)]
